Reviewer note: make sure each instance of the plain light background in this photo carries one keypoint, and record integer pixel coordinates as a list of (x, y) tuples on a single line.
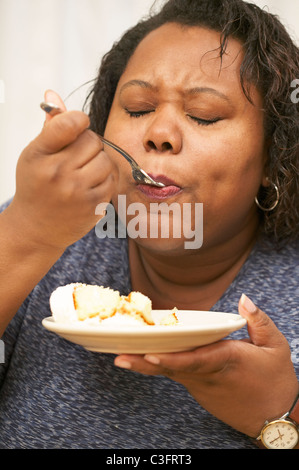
[(58, 44)]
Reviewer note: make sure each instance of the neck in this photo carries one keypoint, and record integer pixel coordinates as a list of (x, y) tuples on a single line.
[(193, 280)]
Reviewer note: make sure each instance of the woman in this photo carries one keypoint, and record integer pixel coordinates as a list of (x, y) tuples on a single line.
[(199, 94)]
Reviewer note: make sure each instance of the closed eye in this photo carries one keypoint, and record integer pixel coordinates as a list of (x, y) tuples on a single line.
[(204, 122), (199, 121), (137, 114)]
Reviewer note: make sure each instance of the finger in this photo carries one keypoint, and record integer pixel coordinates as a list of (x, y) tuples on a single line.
[(53, 97), (77, 154), (60, 132), (203, 360), (96, 171), (206, 359), (262, 330), (136, 363)]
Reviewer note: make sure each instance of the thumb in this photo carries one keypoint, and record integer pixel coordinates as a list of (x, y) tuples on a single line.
[(261, 329), (61, 131), (53, 97)]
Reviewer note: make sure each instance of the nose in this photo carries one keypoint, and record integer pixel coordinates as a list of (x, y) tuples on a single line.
[(163, 134)]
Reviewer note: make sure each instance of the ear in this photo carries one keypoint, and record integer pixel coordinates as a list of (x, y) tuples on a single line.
[(265, 179)]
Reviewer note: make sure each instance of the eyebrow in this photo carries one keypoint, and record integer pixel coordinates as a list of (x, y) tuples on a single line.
[(140, 83), (190, 91), (211, 91)]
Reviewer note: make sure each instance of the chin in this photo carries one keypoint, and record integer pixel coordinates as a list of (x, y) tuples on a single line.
[(165, 247)]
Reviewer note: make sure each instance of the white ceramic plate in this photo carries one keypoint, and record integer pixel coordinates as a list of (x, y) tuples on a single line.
[(196, 328)]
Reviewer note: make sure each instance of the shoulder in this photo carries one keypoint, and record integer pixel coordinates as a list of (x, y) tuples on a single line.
[(282, 259), (272, 276)]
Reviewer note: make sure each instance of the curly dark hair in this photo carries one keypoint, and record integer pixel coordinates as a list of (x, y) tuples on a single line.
[(271, 63)]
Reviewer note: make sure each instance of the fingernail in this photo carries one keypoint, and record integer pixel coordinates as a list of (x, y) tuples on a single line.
[(50, 96), (122, 363), (152, 359), (248, 304)]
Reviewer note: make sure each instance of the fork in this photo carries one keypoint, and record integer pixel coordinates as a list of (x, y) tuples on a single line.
[(138, 173)]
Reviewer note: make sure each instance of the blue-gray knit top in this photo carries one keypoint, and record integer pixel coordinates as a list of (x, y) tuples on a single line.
[(56, 394)]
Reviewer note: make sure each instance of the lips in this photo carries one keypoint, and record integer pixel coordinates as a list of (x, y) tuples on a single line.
[(170, 189)]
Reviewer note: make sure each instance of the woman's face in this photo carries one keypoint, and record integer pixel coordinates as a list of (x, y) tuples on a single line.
[(185, 119)]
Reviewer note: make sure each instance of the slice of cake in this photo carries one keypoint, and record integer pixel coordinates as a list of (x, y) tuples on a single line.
[(95, 301), (93, 304), (79, 302), (137, 305)]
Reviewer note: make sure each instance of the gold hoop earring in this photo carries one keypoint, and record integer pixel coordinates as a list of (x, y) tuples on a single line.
[(269, 209)]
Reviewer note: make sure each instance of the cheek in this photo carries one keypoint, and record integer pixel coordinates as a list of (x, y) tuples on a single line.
[(237, 154), (229, 171)]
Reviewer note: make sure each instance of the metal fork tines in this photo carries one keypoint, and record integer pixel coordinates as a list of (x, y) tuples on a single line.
[(138, 173)]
